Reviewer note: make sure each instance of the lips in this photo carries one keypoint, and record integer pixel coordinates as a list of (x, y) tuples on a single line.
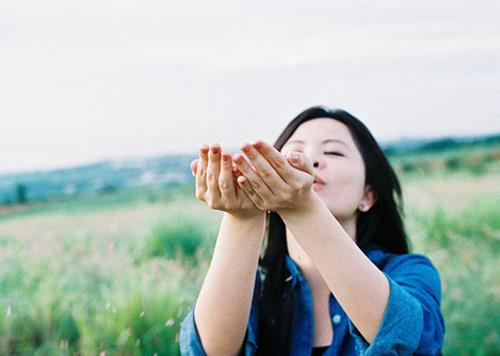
[(318, 180)]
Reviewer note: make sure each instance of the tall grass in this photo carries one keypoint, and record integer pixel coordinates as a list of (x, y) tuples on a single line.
[(65, 292), (180, 237), (465, 244)]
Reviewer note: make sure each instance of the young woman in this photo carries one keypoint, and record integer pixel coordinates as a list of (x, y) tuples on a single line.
[(336, 276)]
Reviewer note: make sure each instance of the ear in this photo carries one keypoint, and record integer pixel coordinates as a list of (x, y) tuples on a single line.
[(368, 200)]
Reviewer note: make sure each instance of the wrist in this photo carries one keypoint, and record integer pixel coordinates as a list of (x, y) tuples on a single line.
[(253, 225), (307, 205), (249, 219)]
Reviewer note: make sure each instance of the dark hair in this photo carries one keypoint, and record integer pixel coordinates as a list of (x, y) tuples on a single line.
[(380, 227)]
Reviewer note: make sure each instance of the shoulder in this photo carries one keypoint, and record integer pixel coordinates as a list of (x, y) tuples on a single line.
[(410, 263), (392, 262), (414, 271)]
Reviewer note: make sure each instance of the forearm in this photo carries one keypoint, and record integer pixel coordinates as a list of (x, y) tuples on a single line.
[(223, 305), (360, 287)]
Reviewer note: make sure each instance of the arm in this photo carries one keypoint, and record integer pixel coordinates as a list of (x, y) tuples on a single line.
[(219, 320), (390, 313), (223, 305), (360, 287)]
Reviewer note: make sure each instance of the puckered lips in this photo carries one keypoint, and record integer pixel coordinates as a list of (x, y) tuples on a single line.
[(318, 180)]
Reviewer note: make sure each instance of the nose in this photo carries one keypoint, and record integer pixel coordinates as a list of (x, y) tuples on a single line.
[(318, 162), (316, 158)]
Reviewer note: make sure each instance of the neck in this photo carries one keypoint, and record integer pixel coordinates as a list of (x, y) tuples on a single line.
[(350, 227)]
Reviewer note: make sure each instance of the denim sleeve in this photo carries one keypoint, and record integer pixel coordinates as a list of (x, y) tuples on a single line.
[(189, 339), (412, 321)]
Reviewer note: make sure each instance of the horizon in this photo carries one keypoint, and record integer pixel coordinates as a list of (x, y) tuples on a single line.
[(70, 166)]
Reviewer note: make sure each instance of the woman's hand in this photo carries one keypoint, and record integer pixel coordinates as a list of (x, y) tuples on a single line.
[(272, 181), (216, 183)]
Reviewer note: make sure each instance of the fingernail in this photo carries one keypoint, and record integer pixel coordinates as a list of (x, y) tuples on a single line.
[(294, 156), (214, 149), (225, 157), (245, 147), (257, 143), (238, 159)]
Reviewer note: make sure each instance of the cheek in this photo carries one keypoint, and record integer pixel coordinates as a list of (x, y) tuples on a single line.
[(348, 173), (348, 181)]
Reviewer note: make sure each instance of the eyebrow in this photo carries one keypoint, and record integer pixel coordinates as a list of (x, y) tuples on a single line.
[(324, 141)]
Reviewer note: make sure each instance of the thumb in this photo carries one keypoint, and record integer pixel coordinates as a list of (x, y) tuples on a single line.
[(300, 161)]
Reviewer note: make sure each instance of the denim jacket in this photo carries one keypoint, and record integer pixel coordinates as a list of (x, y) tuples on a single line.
[(412, 323)]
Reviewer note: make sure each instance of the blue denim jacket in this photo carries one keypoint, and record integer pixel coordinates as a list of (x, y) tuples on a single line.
[(412, 322)]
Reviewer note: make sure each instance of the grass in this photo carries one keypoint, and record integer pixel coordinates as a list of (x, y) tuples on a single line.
[(80, 282), (454, 218), (117, 273), (464, 245), (180, 237)]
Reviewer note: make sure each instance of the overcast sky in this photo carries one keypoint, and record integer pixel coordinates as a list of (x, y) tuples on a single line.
[(88, 80)]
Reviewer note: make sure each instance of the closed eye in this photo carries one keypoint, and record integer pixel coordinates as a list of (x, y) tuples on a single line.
[(334, 153)]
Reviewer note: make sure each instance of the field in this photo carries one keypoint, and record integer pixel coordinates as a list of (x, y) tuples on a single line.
[(115, 273)]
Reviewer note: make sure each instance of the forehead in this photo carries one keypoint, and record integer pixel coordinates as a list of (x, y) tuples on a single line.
[(317, 130)]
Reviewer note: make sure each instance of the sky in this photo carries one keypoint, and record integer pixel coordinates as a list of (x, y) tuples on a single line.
[(83, 81)]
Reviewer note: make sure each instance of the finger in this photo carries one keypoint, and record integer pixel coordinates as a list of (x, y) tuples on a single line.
[(213, 172), (227, 185), (282, 165), (236, 171), (247, 189), (300, 161), (201, 171), (264, 169), (254, 180), (193, 166), (240, 193), (276, 159)]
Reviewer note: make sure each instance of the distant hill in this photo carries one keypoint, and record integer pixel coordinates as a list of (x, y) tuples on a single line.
[(404, 146), (115, 175), (104, 176)]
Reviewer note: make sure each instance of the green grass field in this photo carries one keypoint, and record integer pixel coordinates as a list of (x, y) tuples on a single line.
[(116, 273)]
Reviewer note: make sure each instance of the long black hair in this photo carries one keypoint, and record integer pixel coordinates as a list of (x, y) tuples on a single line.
[(381, 226)]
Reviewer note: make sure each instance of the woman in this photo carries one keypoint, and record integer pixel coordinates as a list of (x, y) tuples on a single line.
[(336, 276)]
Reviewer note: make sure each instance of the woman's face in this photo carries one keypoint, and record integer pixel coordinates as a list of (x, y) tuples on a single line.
[(337, 163)]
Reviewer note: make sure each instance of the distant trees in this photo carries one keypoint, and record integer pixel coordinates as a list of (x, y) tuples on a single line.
[(21, 192), (20, 195)]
